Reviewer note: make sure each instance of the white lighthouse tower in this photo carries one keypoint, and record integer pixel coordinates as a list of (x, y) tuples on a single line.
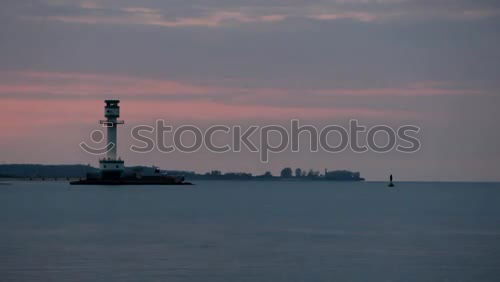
[(112, 166)]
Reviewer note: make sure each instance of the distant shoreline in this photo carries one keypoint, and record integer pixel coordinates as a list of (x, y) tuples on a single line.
[(5, 180), (78, 171), (274, 179)]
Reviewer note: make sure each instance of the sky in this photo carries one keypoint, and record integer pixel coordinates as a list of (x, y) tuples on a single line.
[(429, 63)]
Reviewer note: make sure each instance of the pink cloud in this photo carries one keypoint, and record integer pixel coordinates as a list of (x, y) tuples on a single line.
[(37, 112), (76, 98), (93, 86), (32, 118), (359, 16), (203, 110), (403, 91), (97, 12), (147, 16), (47, 119)]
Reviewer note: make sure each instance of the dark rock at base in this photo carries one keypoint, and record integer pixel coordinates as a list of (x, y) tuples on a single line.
[(150, 180)]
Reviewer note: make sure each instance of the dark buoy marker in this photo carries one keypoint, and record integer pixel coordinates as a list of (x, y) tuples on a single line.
[(390, 181)]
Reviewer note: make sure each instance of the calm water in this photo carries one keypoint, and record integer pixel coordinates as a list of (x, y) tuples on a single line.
[(251, 231)]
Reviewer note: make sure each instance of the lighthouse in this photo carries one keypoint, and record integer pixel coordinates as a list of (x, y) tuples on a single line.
[(112, 166)]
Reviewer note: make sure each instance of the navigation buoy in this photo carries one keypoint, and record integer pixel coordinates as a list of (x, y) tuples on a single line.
[(390, 181)]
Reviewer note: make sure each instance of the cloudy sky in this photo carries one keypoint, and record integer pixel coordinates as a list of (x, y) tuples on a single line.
[(430, 63)]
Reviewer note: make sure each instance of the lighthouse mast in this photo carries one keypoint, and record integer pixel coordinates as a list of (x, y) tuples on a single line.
[(112, 166)]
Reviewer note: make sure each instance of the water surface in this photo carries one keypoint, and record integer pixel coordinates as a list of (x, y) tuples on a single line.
[(250, 231)]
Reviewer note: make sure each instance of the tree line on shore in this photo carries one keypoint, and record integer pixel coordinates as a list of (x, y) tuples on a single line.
[(286, 173)]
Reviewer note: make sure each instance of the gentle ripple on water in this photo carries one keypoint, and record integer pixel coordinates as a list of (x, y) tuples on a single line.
[(250, 231)]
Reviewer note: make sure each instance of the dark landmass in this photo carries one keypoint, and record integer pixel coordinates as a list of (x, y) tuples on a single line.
[(37, 171), (46, 171)]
